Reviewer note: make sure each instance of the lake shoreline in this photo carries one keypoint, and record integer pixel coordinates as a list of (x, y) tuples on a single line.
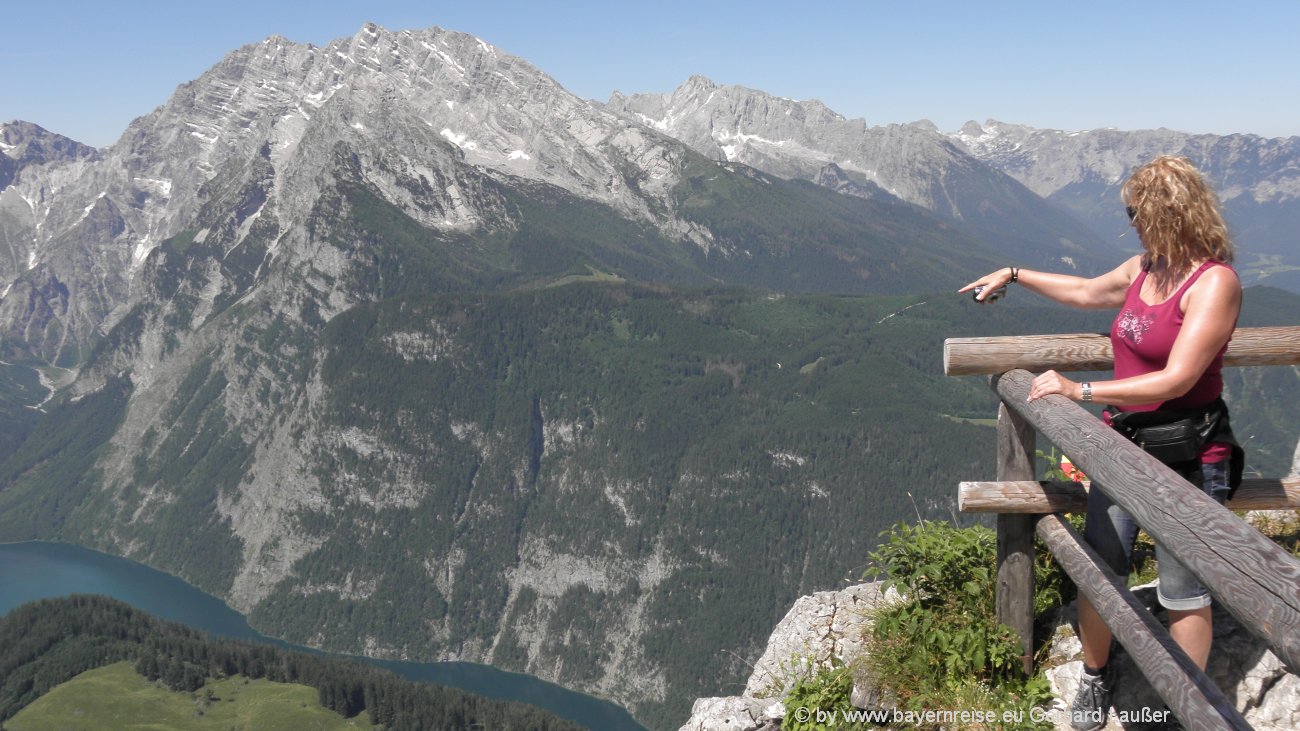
[(31, 570)]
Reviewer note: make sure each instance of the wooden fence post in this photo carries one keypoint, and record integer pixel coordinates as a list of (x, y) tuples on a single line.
[(1015, 556)]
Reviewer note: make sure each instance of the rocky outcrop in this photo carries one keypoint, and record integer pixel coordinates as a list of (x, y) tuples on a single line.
[(831, 624), (821, 629), (735, 713)]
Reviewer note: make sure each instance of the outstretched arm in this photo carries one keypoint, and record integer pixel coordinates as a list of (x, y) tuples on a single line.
[(1101, 292)]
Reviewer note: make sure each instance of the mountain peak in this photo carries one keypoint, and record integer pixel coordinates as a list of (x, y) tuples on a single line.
[(370, 30), (31, 144), (698, 82)]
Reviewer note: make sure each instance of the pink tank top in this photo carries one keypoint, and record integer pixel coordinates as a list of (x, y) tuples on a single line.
[(1142, 337)]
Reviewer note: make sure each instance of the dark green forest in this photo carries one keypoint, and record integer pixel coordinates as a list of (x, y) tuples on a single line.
[(45, 643)]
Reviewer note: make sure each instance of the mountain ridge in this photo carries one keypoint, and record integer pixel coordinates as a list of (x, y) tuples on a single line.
[(445, 102), (913, 162)]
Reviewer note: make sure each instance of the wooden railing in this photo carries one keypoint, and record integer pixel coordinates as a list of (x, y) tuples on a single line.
[(1247, 573)]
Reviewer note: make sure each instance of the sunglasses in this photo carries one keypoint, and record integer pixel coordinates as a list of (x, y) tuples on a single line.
[(1131, 211)]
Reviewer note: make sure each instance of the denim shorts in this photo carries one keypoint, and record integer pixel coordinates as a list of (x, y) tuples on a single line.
[(1111, 532)]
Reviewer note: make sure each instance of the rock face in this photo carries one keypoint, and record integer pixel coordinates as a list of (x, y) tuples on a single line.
[(44, 304), (269, 118), (819, 629), (831, 624)]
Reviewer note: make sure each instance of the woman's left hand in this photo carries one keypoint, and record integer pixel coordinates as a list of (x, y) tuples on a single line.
[(1052, 382)]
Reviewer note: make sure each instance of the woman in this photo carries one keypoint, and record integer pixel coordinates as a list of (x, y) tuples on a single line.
[(1178, 303)]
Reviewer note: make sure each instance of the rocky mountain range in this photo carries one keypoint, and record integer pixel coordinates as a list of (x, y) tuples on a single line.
[(403, 349), (913, 162), (267, 123), (264, 126), (1257, 179)]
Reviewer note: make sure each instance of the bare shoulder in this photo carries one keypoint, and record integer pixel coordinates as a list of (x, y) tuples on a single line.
[(1218, 281), (1225, 274), (1217, 287)]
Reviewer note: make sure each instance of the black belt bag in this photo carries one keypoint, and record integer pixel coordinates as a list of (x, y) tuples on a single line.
[(1170, 436)]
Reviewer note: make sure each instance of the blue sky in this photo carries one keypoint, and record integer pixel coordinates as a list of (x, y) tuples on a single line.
[(85, 69)]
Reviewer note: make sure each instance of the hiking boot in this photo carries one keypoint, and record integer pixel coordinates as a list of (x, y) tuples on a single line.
[(1092, 702)]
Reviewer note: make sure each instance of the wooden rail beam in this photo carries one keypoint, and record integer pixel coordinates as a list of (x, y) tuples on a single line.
[(1028, 496), (1192, 696), (1250, 575), (1250, 346)]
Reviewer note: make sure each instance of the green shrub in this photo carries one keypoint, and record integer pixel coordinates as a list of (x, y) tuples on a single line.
[(942, 647), (946, 627), (829, 690)]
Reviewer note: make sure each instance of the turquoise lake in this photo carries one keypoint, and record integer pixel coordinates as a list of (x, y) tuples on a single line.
[(39, 570)]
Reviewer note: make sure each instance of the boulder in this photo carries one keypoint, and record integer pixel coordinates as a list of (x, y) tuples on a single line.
[(735, 713), (819, 630)]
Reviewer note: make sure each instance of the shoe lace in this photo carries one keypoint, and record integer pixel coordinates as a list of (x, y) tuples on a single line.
[(1095, 689)]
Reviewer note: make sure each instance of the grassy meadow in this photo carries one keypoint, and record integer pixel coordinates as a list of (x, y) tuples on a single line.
[(117, 697)]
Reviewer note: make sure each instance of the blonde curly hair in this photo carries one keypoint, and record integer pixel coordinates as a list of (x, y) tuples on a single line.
[(1176, 214)]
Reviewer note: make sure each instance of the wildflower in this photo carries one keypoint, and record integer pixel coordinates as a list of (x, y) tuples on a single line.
[(1071, 472)]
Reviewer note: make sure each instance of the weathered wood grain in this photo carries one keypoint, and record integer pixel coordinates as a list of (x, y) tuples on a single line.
[(1250, 346), (1015, 551), (1250, 575), (1028, 496), (1192, 696)]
